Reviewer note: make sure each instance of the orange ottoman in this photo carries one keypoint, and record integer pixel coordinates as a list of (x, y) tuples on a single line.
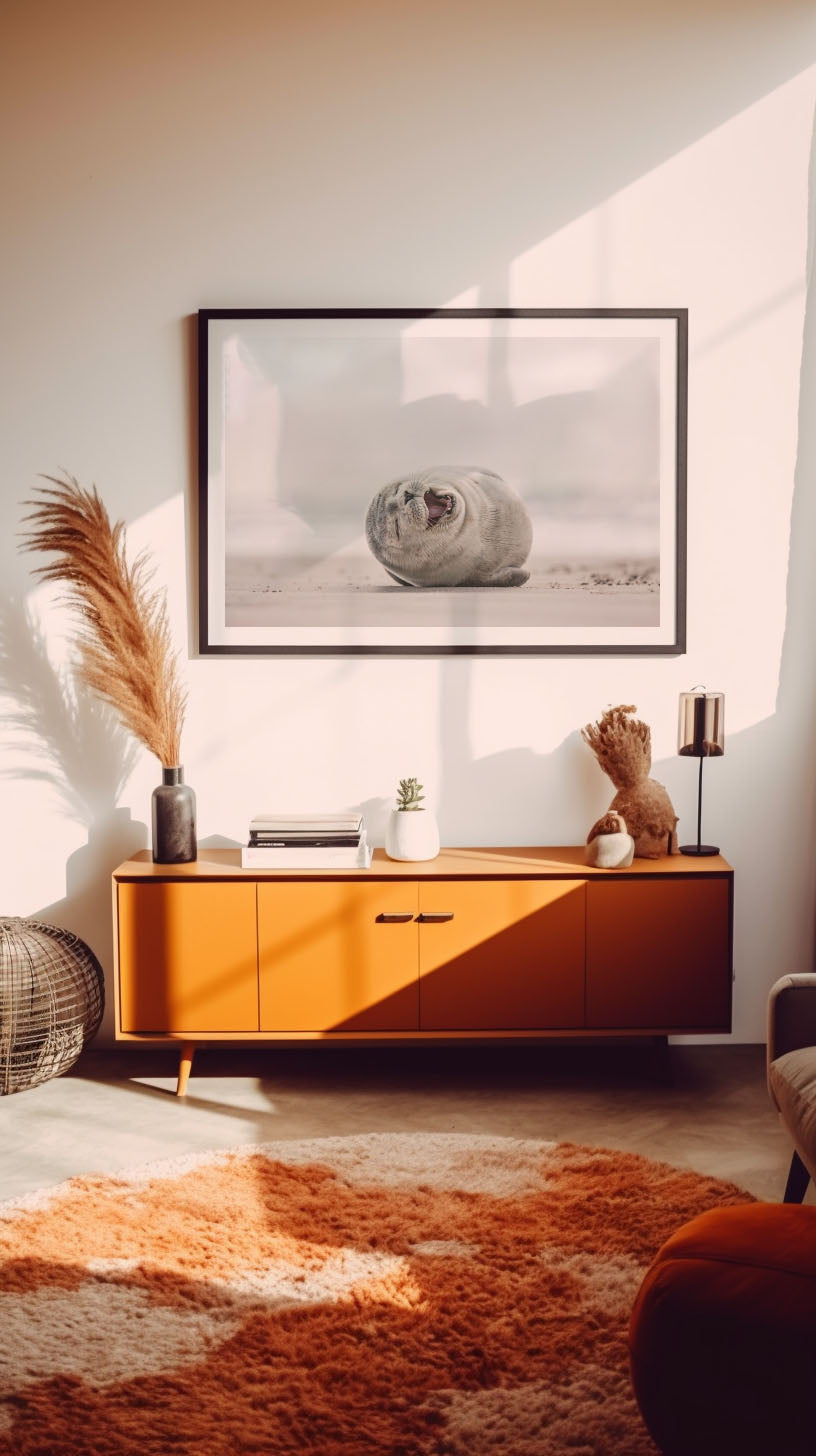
[(722, 1337)]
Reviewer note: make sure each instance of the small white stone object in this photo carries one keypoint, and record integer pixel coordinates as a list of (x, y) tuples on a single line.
[(610, 851)]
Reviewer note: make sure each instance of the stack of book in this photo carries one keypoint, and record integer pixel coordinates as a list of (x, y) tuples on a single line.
[(306, 842)]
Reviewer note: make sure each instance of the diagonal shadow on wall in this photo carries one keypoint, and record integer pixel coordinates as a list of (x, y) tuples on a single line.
[(70, 741)]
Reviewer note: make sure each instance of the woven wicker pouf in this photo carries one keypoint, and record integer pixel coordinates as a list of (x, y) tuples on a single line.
[(52, 995)]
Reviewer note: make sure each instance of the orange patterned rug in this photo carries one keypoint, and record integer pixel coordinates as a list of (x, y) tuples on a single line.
[(427, 1295)]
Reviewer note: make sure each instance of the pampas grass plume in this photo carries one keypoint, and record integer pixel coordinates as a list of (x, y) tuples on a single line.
[(622, 745), (124, 644)]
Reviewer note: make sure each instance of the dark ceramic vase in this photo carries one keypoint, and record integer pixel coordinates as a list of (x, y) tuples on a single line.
[(173, 814)]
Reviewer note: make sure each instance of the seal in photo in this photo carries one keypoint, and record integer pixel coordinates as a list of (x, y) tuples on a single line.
[(450, 526)]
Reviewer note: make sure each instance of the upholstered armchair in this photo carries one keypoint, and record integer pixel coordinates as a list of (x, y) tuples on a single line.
[(792, 1072)]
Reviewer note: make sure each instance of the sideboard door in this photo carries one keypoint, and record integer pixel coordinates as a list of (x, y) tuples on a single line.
[(501, 955), (188, 956), (338, 955), (659, 954)]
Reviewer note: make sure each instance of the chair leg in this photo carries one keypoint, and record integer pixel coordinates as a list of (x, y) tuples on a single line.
[(798, 1179)]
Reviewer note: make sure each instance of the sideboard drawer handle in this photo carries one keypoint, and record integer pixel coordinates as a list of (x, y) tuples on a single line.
[(395, 917), (436, 915)]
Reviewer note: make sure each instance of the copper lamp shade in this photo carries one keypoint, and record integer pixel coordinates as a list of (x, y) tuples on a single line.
[(701, 734)]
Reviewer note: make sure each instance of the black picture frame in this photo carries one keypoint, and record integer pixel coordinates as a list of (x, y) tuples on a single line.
[(307, 415)]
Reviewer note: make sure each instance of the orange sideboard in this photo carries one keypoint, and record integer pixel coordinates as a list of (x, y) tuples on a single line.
[(476, 943)]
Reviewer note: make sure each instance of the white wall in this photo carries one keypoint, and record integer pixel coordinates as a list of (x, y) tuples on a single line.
[(182, 154)]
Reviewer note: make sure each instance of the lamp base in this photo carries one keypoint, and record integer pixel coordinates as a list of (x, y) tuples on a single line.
[(699, 849)]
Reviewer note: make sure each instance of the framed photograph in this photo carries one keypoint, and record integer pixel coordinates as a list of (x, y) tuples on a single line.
[(442, 480)]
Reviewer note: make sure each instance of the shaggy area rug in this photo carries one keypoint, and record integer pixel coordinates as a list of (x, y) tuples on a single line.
[(427, 1295)]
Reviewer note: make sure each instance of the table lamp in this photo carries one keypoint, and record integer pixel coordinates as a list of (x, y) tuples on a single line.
[(701, 735)]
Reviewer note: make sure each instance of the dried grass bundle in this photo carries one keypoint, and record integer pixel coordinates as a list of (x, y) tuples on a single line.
[(621, 744), (124, 642), (623, 747)]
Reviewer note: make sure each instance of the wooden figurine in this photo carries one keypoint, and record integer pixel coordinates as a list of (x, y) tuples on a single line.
[(622, 745)]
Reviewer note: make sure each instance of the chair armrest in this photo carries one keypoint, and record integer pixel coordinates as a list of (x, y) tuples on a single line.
[(791, 1014)]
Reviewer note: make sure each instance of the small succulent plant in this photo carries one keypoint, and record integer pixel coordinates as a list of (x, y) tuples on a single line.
[(409, 795)]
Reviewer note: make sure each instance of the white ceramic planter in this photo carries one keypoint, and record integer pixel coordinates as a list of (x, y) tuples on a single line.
[(411, 834)]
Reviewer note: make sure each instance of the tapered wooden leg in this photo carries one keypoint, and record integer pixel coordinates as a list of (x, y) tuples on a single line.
[(185, 1065), (798, 1179)]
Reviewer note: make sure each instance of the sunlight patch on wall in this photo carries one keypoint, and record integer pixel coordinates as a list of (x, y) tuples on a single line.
[(418, 359), (720, 228), (461, 366)]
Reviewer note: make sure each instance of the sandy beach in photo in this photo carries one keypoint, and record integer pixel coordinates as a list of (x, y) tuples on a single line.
[(581, 575), (358, 593)]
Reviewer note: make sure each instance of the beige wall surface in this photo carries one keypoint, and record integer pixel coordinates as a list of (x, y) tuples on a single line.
[(166, 157)]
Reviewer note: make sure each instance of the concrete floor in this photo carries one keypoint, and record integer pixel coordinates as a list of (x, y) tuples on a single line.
[(703, 1107)]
